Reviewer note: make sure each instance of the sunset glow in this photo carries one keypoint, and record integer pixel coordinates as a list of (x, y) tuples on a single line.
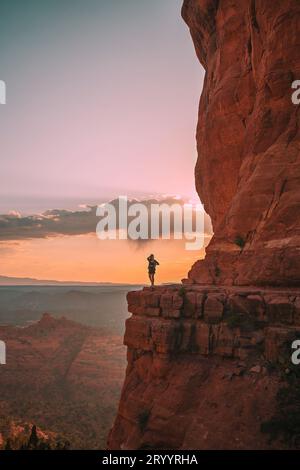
[(97, 115), (85, 258)]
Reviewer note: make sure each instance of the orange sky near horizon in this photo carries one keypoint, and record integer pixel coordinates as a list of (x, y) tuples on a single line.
[(86, 258)]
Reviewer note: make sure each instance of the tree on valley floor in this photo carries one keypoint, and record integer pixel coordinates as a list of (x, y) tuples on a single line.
[(8, 445), (33, 439), (34, 442)]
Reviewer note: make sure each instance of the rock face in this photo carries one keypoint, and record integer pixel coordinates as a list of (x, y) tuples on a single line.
[(248, 169), (206, 359), (198, 359)]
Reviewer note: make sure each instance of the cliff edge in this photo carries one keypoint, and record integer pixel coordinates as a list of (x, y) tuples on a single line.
[(209, 361), (205, 365)]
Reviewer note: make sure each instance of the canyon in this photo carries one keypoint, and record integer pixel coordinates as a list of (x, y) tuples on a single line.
[(63, 377), (209, 360)]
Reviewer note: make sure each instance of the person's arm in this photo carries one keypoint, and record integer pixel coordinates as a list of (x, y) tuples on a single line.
[(156, 262)]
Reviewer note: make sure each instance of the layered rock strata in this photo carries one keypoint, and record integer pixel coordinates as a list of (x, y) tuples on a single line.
[(199, 360)]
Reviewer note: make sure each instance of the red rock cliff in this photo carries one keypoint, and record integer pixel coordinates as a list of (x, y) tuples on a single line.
[(248, 171), (203, 367), (206, 360)]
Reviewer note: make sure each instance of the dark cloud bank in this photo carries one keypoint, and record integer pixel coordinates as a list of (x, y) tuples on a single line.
[(57, 222)]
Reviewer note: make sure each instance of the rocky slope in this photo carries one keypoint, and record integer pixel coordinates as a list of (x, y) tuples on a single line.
[(248, 169), (209, 362), (63, 377)]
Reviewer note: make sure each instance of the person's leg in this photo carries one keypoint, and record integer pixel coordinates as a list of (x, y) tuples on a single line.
[(152, 279)]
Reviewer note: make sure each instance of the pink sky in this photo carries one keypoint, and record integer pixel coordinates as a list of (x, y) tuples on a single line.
[(101, 100)]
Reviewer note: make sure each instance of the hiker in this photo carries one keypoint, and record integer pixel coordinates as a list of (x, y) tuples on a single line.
[(151, 268)]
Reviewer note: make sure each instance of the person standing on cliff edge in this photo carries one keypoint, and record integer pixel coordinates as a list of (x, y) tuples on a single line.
[(152, 268)]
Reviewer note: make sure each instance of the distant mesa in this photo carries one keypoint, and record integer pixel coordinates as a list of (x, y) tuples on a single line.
[(28, 281)]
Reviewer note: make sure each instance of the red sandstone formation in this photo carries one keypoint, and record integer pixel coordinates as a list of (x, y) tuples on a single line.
[(62, 376), (248, 169), (206, 359), (198, 374)]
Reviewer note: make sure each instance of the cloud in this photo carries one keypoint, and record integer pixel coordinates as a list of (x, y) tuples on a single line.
[(7, 248), (50, 223), (55, 222)]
